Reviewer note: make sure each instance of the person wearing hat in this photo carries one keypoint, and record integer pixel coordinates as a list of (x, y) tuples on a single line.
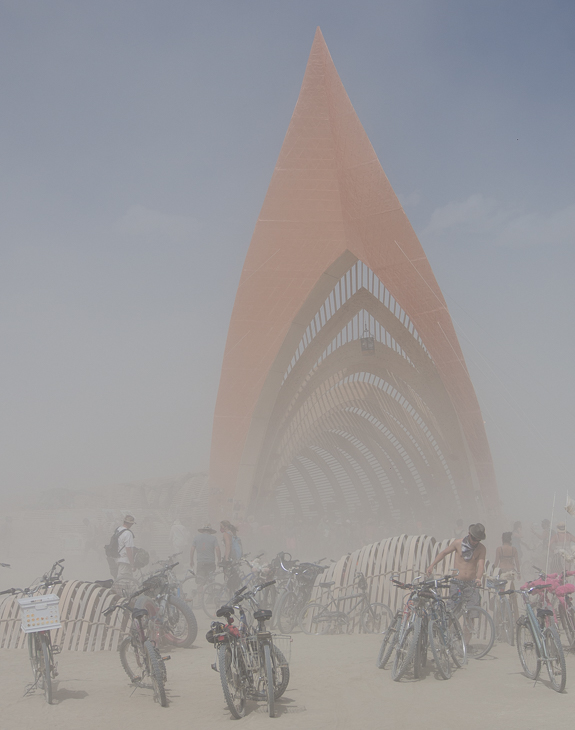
[(125, 561), (470, 564), (208, 553)]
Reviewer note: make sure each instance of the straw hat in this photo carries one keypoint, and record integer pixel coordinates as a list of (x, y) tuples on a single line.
[(206, 528)]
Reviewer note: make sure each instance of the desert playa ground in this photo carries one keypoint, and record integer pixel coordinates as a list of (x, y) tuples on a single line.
[(334, 684)]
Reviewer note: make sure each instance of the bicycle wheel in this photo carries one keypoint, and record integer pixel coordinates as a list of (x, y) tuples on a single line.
[(232, 682), (455, 641), (405, 651), (375, 618), (286, 612), (181, 623), (439, 647), (155, 662), (527, 649), (212, 598), (314, 619), (555, 659), (133, 660), (281, 672), (508, 623), (388, 643), (478, 631), (270, 696), (40, 652), (567, 616), (420, 657)]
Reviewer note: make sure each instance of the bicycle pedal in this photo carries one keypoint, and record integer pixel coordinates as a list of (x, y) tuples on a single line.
[(56, 649), (166, 658), (213, 666)]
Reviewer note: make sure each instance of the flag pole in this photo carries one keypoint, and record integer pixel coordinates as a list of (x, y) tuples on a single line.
[(550, 530)]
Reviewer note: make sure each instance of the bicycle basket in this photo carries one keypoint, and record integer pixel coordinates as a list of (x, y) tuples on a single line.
[(39, 613)]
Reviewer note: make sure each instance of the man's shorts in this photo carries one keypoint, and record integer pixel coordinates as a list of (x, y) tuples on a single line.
[(470, 593), (203, 572)]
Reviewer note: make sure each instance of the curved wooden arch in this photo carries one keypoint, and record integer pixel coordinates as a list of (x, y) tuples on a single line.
[(84, 628)]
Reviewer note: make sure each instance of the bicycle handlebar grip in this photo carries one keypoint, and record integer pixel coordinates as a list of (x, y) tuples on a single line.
[(10, 590), (265, 585), (238, 593)]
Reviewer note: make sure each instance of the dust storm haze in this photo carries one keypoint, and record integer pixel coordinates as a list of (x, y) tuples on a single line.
[(138, 142)]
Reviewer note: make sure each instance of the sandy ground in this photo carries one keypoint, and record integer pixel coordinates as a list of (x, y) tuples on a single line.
[(334, 684)]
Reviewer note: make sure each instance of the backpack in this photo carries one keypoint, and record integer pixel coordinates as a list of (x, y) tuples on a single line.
[(141, 558), (237, 550), (112, 548)]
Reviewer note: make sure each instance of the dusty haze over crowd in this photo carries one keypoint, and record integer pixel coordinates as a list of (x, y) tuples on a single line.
[(138, 141)]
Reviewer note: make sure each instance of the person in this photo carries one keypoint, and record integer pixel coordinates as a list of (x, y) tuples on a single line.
[(125, 559), (232, 544), (208, 553), (470, 562), (506, 556), (517, 539), (458, 530), (560, 547), (178, 537)]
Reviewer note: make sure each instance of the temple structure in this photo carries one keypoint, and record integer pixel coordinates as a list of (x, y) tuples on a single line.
[(343, 385)]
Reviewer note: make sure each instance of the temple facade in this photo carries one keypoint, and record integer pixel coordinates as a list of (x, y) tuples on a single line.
[(343, 385)]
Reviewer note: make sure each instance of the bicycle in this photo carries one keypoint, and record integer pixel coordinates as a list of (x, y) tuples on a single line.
[(297, 592), (424, 622), (39, 615), (319, 618), (476, 623), (249, 663), (502, 611), (174, 619), (538, 641), (139, 655)]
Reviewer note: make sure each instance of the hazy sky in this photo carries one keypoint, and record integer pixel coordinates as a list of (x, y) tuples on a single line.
[(137, 142)]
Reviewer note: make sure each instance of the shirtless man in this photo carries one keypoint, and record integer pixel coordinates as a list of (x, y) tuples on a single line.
[(470, 562)]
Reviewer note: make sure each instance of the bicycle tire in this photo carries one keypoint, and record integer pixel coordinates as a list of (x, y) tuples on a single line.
[(234, 692), (439, 647), (556, 668), (182, 621), (527, 649), (482, 630), (286, 612), (388, 643), (281, 672), (39, 651), (270, 694), (567, 616), (508, 622), (156, 673), (212, 598), (310, 619), (132, 658), (405, 650), (456, 641), (375, 618)]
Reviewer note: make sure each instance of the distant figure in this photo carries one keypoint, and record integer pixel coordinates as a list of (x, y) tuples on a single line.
[(120, 551), (232, 543), (561, 549), (506, 556), (205, 546), (178, 537), (517, 539), (459, 529)]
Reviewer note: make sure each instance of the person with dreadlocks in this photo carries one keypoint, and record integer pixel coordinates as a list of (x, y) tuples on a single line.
[(469, 561)]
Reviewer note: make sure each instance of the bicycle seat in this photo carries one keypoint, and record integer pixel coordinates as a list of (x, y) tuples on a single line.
[(226, 611), (327, 585), (262, 614), (139, 612), (541, 612)]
